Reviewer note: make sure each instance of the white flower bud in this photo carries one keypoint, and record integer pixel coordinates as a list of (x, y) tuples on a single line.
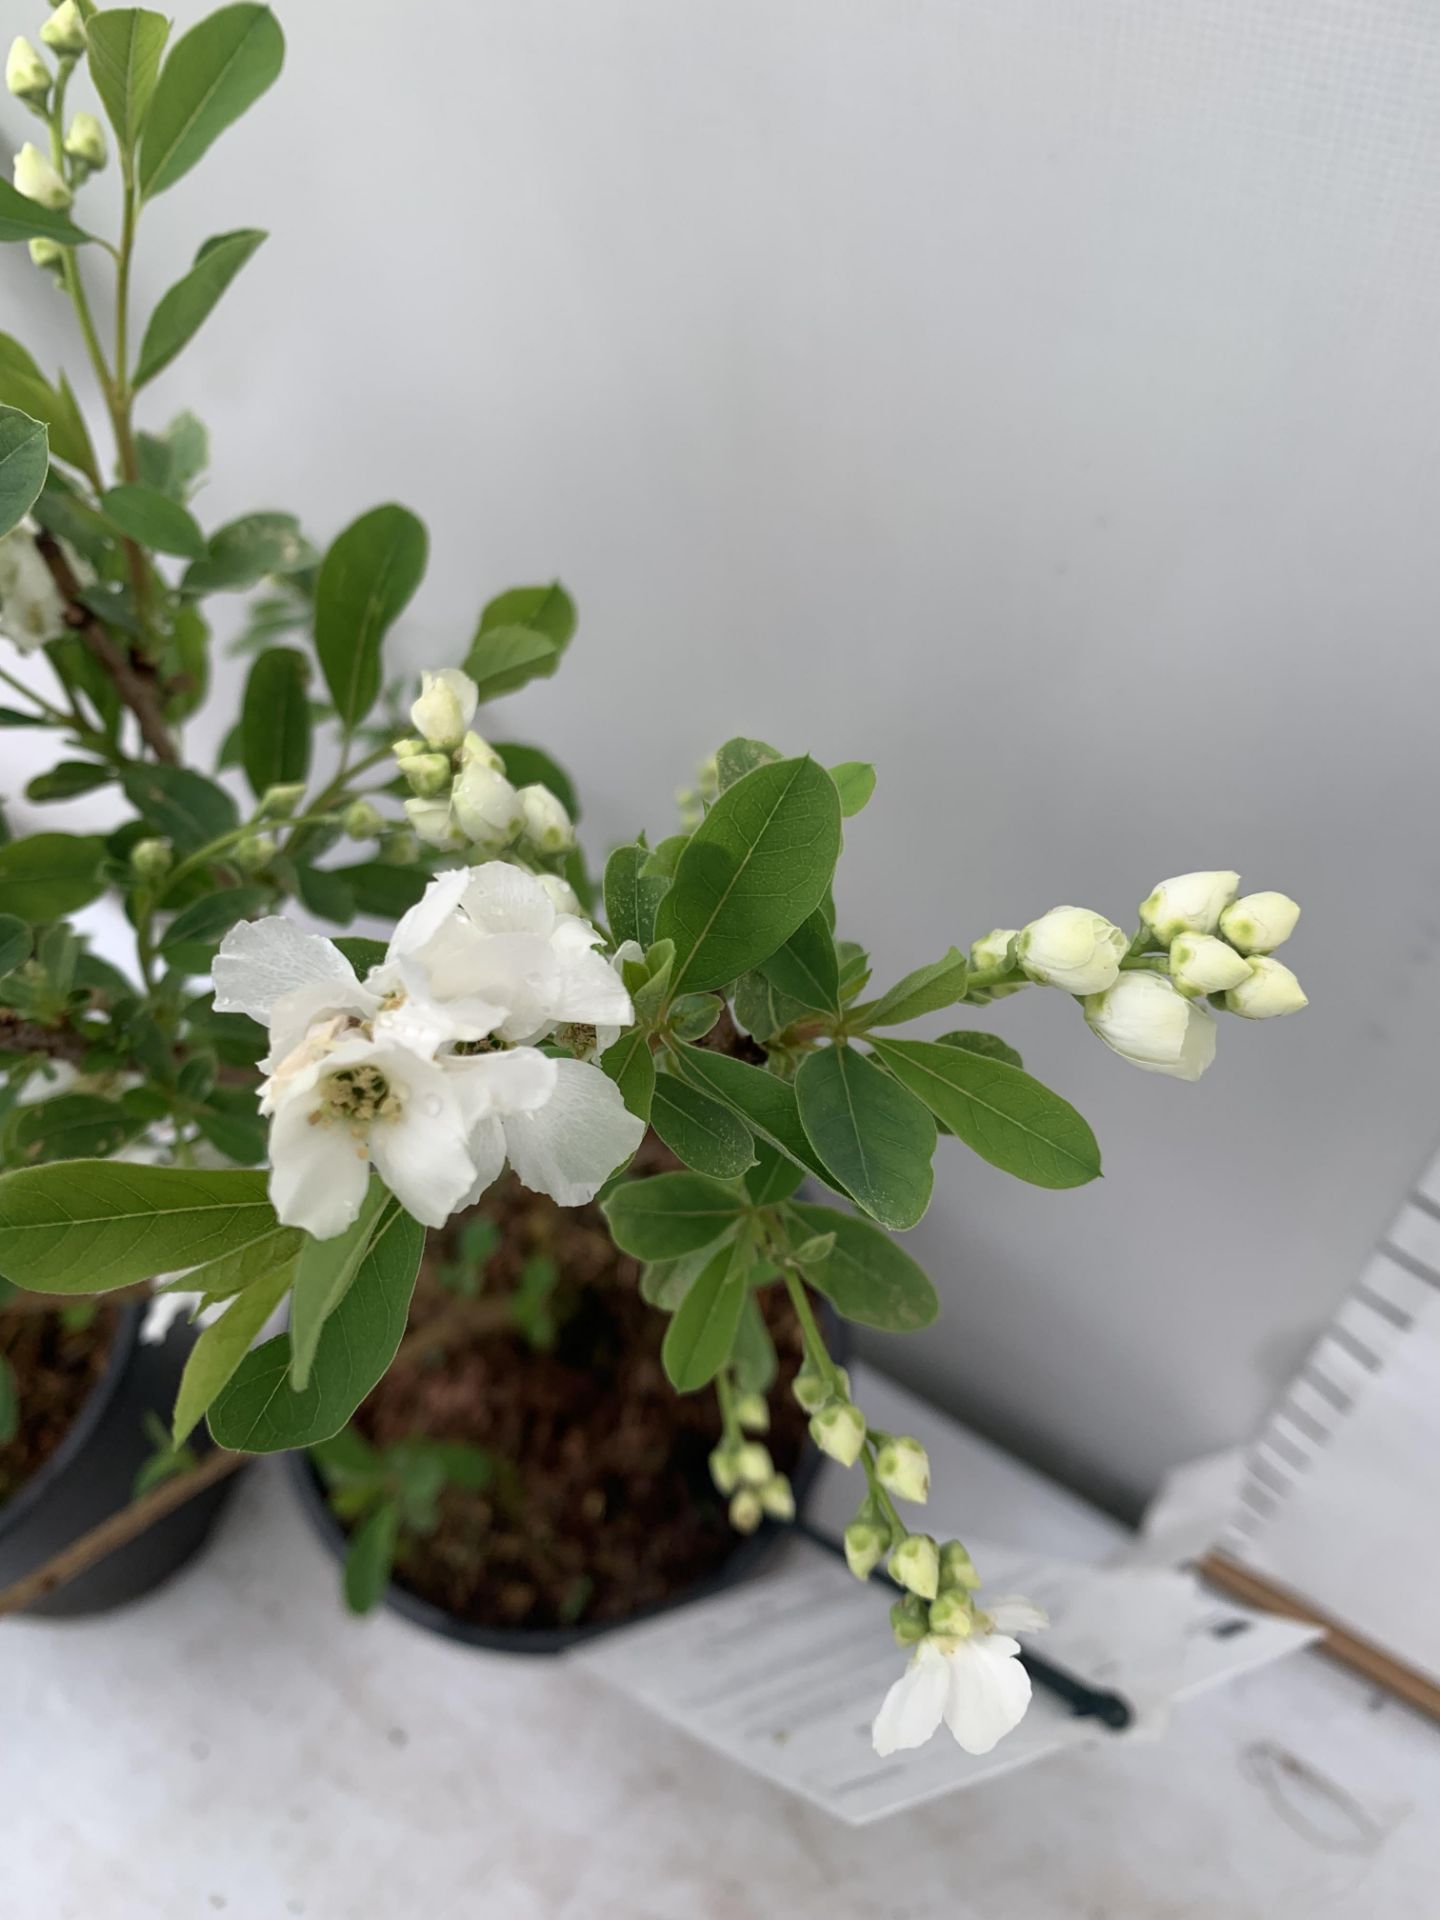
[(486, 807), (957, 1569), (1271, 990), (1199, 964), (85, 141), (362, 821), (429, 774), (27, 77), (475, 751), (866, 1544), (915, 1564), (431, 821), (561, 892), (746, 1511), (992, 949), (777, 1497), (38, 180), (32, 608), (64, 31), (752, 1410), (755, 1464), (909, 1621), (1147, 1021), (839, 1430), (903, 1468), (1260, 922), (548, 826), (47, 254), (952, 1614), (1190, 903), (725, 1468), (1073, 949), (445, 708)]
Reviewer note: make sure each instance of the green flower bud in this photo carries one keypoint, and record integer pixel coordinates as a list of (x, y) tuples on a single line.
[(362, 821), (746, 1512), (429, 774), (951, 1613), (151, 859), (279, 802), (756, 1466), (811, 1252), (47, 254), (409, 746), (402, 849), (64, 31), (254, 852), (839, 1430), (810, 1389), (777, 1497), (752, 1410), (957, 1569), (903, 1467), (27, 77), (866, 1544), (909, 1621), (725, 1468), (915, 1564), (38, 180), (85, 141)]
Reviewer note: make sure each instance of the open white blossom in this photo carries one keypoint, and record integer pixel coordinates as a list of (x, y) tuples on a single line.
[(973, 1682), (1149, 1022), (422, 1071)]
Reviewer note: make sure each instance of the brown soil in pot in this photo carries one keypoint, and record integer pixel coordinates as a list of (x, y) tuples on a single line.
[(609, 1509), (56, 1369)]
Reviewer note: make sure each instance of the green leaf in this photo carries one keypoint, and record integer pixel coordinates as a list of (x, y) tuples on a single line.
[(275, 719), (752, 1354), (223, 1345), (88, 1226), (23, 385), (773, 1178), (180, 805), (50, 874), (324, 1274), (233, 1127), (866, 1276), (188, 662), (760, 1008), (631, 1066), (125, 45), (155, 520), (189, 303), (366, 580), (663, 1217), (700, 1131), (877, 1139), (529, 767), (22, 219), (69, 779), (24, 462), (1009, 1119), (381, 889), (805, 969), (326, 893), (14, 942), (665, 1283), (214, 72), (520, 637), (855, 782), (741, 756), (369, 1557), (926, 990), (622, 881), (275, 1247), (702, 1332), (976, 1041), (210, 918), (758, 865), (764, 1102), (362, 954), (72, 1126), (244, 551), (174, 460), (260, 1412)]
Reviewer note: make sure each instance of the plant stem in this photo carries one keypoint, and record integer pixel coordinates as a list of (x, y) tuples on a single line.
[(51, 713), (208, 852)]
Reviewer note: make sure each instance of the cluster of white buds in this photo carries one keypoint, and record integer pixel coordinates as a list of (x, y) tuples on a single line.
[(462, 800), (745, 1473)]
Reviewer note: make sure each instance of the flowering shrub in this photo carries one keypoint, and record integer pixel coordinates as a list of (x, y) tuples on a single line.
[(306, 1106)]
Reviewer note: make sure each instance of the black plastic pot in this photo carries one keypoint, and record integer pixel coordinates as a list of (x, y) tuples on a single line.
[(91, 1475)]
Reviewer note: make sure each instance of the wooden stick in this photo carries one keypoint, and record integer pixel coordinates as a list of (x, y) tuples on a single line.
[(1416, 1689), (118, 1530)]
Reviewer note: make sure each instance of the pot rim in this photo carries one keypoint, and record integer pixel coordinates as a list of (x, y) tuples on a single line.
[(15, 1510)]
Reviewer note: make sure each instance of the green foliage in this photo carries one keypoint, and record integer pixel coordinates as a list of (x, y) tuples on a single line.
[(24, 459), (22, 219), (702, 1332), (765, 1103), (866, 1276), (188, 304), (69, 779), (854, 782), (242, 552), (213, 73), (521, 637), (324, 1274), (23, 386), (155, 520), (179, 805), (741, 756), (366, 581), (191, 936), (662, 1218), (530, 767), (752, 1354), (50, 874), (370, 1556), (975, 1040), (876, 1139), (926, 990), (223, 1345), (631, 1066), (14, 942), (805, 971), (72, 1126), (124, 46), (773, 1178), (275, 720), (756, 867), (1009, 1119), (699, 1130)]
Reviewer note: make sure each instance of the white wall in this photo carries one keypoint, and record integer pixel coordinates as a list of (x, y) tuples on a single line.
[(1037, 399)]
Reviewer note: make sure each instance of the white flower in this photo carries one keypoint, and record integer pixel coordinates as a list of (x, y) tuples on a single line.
[(85, 141), (445, 708), (1148, 1022), (1199, 963), (1073, 949), (548, 826), (26, 74), (1260, 922), (485, 807), (32, 608), (974, 1683), (38, 180), (1270, 991), (1190, 903), (433, 824), (564, 898)]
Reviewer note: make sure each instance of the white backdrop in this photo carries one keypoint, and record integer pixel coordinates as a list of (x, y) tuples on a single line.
[(1038, 399)]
